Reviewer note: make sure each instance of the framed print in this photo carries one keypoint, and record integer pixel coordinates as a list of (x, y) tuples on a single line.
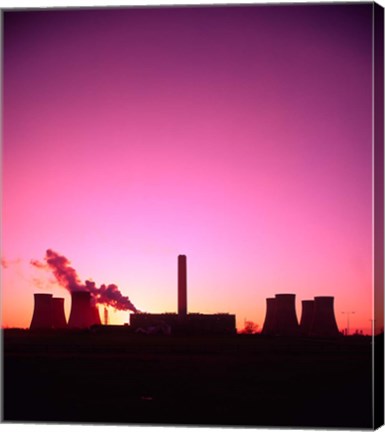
[(193, 215)]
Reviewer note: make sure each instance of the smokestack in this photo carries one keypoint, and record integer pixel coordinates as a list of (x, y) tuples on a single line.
[(58, 315), (286, 323), (307, 317), (42, 312), (182, 285), (324, 322), (105, 316), (80, 316), (269, 324)]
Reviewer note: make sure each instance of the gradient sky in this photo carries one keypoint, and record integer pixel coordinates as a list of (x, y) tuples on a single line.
[(238, 136)]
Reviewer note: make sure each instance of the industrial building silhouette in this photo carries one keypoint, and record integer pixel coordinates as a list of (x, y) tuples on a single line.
[(83, 314), (183, 322), (58, 316), (42, 313), (281, 318), (317, 319), (49, 312), (324, 322)]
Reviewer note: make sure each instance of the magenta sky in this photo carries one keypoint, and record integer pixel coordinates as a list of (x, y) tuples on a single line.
[(238, 136)]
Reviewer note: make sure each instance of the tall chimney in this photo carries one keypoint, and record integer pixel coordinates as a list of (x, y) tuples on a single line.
[(286, 323), (42, 312), (324, 322), (58, 315), (269, 324), (307, 317), (182, 285), (80, 316)]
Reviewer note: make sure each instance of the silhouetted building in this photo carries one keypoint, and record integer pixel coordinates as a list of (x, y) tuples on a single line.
[(281, 318), (220, 323), (58, 316), (94, 315), (307, 317), (182, 322), (42, 312), (190, 324), (286, 323), (81, 315), (324, 321), (269, 323)]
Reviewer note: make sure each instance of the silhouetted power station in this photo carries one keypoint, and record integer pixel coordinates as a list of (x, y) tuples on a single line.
[(49, 312), (281, 318), (307, 317), (324, 322), (286, 323), (269, 324), (83, 314), (58, 316), (42, 312), (317, 319), (183, 322)]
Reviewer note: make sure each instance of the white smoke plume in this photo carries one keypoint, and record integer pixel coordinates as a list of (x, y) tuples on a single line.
[(68, 278)]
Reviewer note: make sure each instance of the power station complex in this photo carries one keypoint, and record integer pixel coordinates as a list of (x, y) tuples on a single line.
[(317, 319), (183, 322), (49, 312)]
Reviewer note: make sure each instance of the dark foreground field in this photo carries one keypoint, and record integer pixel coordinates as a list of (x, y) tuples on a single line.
[(238, 380)]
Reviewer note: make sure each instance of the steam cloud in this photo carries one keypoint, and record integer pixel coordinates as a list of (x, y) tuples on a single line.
[(6, 263), (67, 277)]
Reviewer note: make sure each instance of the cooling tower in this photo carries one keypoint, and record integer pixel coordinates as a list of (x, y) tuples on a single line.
[(182, 285), (324, 322), (306, 317), (58, 315), (42, 312), (95, 317), (80, 316), (286, 323), (268, 325)]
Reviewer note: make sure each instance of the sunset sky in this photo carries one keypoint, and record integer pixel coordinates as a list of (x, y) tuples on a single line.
[(240, 137)]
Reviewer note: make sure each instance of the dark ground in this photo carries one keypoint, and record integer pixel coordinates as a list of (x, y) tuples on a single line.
[(242, 380)]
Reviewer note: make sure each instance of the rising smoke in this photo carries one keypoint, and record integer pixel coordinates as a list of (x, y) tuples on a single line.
[(67, 277), (6, 263)]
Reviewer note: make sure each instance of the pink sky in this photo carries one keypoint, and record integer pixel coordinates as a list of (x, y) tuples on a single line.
[(238, 136)]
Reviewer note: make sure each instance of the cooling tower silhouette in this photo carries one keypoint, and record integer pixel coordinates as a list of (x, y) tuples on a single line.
[(58, 316), (269, 324), (182, 285), (286, 323), (80, 316), (94, 315), (324, 321), (307, 316), (42, 312)]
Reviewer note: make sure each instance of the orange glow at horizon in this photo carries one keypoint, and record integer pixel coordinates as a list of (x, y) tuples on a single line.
[(17, 312)]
